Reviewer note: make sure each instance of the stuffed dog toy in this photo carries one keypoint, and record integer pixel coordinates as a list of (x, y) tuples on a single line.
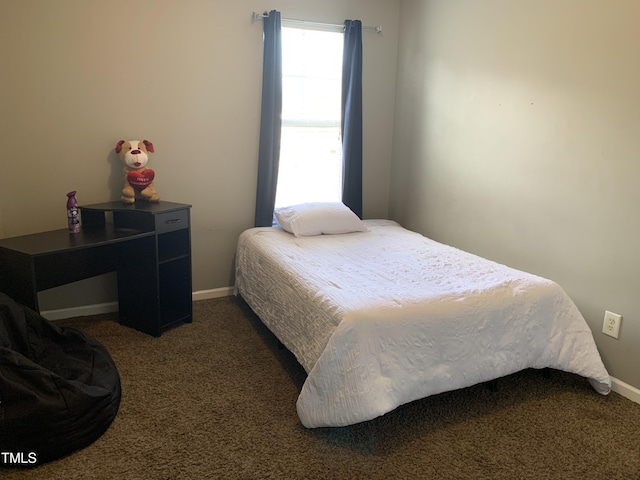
[(137, 178)]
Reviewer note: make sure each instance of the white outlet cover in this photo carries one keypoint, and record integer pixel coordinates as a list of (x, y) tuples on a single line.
[(611, 324)]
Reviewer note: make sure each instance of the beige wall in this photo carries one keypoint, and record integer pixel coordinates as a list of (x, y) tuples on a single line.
[(516, 137), (78, 75)]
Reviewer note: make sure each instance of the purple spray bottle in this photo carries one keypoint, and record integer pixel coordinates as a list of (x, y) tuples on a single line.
[(73, 215)]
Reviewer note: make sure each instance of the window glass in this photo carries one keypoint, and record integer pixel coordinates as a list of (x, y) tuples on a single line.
[(310, 167)]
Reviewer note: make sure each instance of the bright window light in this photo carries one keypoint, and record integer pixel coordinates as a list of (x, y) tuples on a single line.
[(311, 148)]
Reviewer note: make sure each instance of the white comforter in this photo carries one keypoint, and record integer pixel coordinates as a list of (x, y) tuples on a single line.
[(385, 317)]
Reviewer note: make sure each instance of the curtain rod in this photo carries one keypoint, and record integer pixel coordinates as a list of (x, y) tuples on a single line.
[(290, 22)]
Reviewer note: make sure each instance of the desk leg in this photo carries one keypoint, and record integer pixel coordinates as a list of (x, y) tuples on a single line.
[(20, 285), (138, 290)]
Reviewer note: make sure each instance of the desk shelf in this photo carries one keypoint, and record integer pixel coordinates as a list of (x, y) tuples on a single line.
[(173, 245)]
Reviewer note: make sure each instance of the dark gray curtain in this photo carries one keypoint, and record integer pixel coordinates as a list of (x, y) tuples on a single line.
[(270, 121), (352, 116)]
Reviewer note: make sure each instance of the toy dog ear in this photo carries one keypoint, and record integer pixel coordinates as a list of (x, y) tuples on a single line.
[(149, 145), (119, 146)]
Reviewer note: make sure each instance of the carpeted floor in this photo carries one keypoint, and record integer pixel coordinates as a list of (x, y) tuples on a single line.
[(216, 400)]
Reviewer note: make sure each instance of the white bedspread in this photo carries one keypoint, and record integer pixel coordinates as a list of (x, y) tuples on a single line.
[(385, 317)]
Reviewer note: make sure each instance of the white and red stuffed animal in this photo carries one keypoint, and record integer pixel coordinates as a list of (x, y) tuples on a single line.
[(137, 177)]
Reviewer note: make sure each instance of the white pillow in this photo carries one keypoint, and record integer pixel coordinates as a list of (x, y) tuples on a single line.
[(319, 218)]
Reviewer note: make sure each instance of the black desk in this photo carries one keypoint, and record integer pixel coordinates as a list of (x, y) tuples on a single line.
[(148, 245)]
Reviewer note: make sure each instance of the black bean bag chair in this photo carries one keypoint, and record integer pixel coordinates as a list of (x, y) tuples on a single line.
[(59, 388)]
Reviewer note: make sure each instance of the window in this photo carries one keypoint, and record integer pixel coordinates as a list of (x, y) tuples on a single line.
[(310, 167)]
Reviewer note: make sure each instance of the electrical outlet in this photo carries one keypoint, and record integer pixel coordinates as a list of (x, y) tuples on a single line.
[(611, 325)]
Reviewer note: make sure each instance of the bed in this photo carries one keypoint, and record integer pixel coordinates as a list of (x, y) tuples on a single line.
[(380, 316)]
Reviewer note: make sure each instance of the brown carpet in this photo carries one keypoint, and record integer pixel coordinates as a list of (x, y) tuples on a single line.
[(216, 400)]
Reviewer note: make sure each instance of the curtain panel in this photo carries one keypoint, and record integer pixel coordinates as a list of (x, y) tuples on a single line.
[(352, 116), (270, 120)]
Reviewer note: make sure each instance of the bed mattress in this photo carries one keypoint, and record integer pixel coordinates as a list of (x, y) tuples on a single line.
[(387, 316)]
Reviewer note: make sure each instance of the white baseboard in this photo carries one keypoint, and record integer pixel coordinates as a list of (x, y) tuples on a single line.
[(213, 293), (626, 390), (99, 308), (83, 310)]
